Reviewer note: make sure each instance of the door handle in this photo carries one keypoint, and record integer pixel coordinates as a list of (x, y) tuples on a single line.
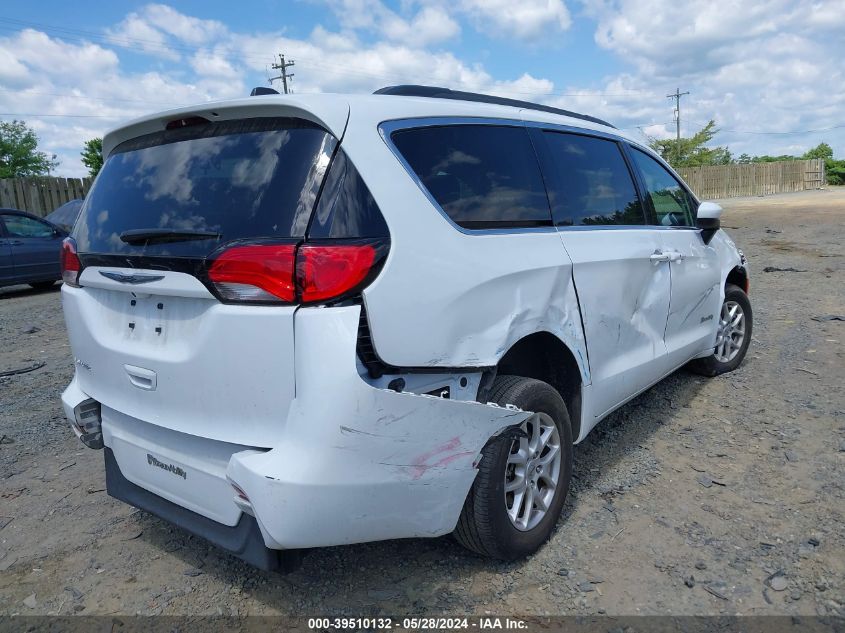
[(145, 379), (659, 256)]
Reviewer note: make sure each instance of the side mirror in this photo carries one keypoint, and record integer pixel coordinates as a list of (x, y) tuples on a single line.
[(708, 219), (708, 215)]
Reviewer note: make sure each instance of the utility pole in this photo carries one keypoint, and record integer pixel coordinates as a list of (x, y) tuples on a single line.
[(284, 74), (677, 97)]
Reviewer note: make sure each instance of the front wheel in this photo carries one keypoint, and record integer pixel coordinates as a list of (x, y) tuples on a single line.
[(732, 336), (523, 477)]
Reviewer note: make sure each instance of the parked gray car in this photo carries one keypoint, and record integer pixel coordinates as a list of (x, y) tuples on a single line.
[(29, 249)]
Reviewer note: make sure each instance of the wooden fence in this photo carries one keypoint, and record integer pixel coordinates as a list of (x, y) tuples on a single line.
[(41, 195), (754, 179)]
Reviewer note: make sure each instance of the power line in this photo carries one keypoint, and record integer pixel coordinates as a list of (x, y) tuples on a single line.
[(774, 132)]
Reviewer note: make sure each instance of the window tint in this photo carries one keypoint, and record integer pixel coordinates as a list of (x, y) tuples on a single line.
[(590, 183), (481, 175), (251, 178), (22, 226), (671, 202)]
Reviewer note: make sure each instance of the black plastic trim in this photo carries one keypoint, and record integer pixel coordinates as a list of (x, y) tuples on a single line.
[(243, 540)]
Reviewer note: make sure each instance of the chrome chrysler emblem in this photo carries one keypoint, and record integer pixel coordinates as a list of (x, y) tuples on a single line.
[(130, 279)]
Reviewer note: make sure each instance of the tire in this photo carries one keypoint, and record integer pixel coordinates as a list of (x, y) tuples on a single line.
[(485, 526), (720, 363), (42, 285)]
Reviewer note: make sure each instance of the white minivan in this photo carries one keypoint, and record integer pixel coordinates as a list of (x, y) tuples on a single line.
[(309, 320)]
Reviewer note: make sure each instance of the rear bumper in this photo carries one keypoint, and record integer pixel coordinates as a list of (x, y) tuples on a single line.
[(355, 463), (243, 540)]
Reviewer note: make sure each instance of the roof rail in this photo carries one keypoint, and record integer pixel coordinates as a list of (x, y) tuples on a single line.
[(434, 92)]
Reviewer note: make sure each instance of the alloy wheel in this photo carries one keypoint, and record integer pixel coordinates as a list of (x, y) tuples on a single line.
[(731, 333), (532, 472)]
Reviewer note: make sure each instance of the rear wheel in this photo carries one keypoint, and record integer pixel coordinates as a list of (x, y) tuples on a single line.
[(733, 335), (523, 477), (42, 285)]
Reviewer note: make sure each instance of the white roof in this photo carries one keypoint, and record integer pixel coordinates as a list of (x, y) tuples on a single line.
[(332, 111)]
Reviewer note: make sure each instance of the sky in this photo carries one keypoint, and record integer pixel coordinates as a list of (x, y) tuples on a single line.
[(769, 72)]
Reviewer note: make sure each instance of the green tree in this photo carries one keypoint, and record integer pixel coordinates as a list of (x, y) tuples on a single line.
[(822, 150), (765, 158), (692, 151), (19, 155), (92, 156)]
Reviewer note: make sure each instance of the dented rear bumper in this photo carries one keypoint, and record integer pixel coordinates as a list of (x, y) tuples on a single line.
[(354, 463), (358, 463)]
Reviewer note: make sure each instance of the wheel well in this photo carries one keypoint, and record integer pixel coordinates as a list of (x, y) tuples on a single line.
[(543, 356), (738, 277)]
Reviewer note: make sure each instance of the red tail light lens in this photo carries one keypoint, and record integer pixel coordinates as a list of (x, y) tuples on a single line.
[(326, 271), (69, 262), (285, 273), (255, 272)]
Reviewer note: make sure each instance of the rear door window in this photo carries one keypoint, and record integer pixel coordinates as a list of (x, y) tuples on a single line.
[(589, 182), (482, 176), (243, 179), (22, 226), (672, 205)]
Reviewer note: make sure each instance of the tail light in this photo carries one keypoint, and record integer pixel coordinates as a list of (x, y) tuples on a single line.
[(255, 272), (70, 264), (327, 271), (287, 273)]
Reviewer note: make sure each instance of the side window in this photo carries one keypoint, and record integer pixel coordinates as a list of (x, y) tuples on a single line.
[(671, 202), (591, 183), (483, 176), (22, 226)]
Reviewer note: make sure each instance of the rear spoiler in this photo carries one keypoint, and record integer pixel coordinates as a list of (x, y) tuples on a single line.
[(328, 111)]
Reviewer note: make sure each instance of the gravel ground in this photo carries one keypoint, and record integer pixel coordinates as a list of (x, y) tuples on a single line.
[(702, 496)]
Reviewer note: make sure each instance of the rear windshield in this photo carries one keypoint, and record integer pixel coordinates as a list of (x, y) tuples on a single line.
[(245, 179)]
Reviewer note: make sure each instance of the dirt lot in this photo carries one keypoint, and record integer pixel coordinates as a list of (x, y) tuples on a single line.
[(645, 530)]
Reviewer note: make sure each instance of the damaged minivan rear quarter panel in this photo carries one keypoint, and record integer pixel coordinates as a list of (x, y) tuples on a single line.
[(468, 296)]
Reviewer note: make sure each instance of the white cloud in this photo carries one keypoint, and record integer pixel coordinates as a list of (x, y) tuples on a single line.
[(524, 19), (215, 64), (136, 32), (183, 27), (157, 27), (39, 52), (431, 24)]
